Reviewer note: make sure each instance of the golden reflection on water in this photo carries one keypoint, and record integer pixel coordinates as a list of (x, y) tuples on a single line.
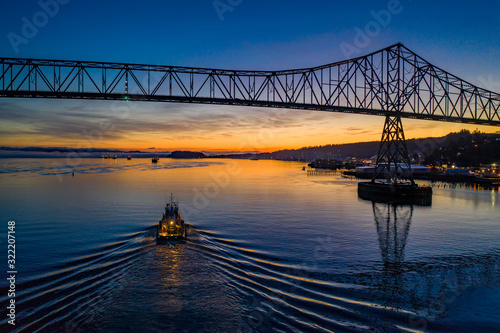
[(171, 258)]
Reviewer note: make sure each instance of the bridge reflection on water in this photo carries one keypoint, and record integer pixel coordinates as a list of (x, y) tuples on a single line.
[(393, 225)]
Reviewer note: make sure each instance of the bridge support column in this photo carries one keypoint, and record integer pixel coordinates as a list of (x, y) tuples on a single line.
[(392, 158)]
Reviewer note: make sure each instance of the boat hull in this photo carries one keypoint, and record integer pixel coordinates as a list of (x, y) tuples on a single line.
[(176, 232), (169, 237)]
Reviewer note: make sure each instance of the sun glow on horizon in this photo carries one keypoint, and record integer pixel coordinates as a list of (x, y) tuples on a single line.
[(244, 140), (205, 128)]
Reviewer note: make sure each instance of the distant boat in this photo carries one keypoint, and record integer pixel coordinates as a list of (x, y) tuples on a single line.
[(171, 226), (105, 156), (303, 168), (155, 159), (114, 157), (129, 158)]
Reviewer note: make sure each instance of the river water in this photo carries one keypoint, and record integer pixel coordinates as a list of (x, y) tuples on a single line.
[(270, 247)]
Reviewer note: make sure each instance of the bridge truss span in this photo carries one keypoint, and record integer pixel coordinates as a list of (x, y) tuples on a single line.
[(390, 82)]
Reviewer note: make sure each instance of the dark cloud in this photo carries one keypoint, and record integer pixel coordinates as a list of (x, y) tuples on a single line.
[(71, 120)]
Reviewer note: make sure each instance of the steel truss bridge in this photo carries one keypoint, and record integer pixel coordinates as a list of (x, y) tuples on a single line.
[(393, 82)]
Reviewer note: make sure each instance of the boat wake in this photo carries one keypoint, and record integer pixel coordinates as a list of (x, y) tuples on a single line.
[(132, 282)]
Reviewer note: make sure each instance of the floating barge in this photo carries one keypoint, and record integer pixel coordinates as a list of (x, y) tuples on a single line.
[(400, 193)]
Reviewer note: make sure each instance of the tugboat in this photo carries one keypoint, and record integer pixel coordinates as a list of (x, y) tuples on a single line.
[(155, 159), (171, 226)]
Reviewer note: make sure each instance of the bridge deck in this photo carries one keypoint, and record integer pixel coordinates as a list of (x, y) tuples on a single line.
[(392, 81)]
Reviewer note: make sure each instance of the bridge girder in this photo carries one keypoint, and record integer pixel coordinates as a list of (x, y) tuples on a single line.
[(364, 85)]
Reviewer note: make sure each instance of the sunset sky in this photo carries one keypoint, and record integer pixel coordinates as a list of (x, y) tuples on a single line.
[(458, 37)]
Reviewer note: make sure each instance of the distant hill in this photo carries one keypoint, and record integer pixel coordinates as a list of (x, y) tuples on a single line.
[(359, 150), (186, 154), (462, 147)]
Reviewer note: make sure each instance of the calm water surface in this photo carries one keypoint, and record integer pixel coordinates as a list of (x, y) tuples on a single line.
[(270, 248)]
